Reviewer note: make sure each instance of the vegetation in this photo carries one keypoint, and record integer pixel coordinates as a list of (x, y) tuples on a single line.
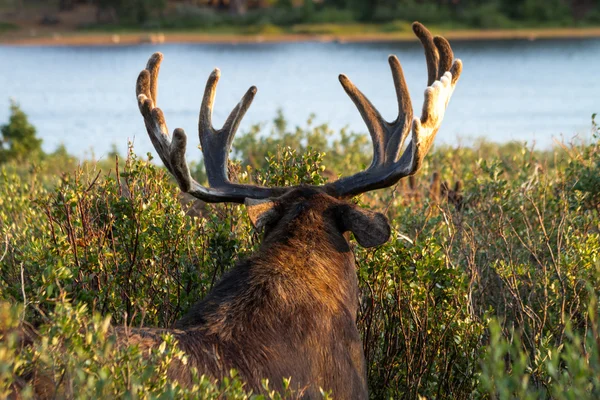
[(4, 27), (494, 296), (391, 14), (325, 16), (18, 140), (478, 13)]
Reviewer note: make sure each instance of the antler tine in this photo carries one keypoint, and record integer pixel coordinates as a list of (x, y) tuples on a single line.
[(438, 52), (172, 153), (208, 100), (446, 54), (375, 123), (388, 138), (432, 57), (215, 143), (405, 109), (235, 116), (153, 67)]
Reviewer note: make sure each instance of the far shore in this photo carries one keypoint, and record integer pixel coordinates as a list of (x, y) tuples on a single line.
[(74, 38)]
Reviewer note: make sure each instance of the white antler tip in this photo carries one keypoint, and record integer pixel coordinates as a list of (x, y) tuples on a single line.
[(446, 80)]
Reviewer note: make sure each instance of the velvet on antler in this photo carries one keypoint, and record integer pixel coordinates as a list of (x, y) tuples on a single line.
[(388, 138)]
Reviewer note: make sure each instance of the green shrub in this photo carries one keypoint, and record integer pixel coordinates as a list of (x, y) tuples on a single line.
[(485, 16), (546, 10), (5, 27), (567, 370), (584, 171), (285, 14), (19, 141), (493, 299), (134, 11), (332, 16)]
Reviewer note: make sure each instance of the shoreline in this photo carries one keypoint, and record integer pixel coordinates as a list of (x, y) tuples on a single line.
[(71, 38)]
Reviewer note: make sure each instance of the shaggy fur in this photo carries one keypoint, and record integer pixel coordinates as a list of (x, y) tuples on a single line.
[(290, 309)]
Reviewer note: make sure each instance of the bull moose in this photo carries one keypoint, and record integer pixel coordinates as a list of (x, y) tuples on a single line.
[(290, 309)]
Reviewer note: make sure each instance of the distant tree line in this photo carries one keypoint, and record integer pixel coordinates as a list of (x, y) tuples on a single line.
[(474, 12), (514, 9)]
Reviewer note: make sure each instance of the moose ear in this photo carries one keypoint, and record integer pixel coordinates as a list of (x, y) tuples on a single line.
[(261, 212), (369, 228)]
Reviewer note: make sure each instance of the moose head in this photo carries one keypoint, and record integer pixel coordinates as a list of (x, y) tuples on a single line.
[(290, 309)]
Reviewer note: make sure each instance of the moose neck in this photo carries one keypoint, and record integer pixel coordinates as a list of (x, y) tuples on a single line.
[(313, 256)]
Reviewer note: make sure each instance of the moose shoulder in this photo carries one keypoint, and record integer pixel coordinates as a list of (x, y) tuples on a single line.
[(290, 309)]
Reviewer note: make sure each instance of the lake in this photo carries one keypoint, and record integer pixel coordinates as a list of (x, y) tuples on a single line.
[(533, 91)]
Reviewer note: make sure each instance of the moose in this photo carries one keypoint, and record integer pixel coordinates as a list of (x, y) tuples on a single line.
[(290, 309)]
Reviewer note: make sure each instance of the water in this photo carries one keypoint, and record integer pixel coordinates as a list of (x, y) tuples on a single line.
[(532, 91)]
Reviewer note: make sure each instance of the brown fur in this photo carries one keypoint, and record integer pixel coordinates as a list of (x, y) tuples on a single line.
[(287, 311)]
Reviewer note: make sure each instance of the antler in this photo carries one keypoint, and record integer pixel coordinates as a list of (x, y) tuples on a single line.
[(388, 138), (215, 143)]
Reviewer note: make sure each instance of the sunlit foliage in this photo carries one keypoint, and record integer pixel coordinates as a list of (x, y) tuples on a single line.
[(490, 294)]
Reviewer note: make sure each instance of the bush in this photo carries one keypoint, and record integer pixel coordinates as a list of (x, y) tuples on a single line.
[(18, 141), (584, 171), (568, 370), (545, 11), (136, 11), (285, 14), (5, 27), (485, 16), (495, 297)]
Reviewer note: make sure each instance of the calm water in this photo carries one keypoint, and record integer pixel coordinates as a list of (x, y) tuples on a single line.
[(532, 91)]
